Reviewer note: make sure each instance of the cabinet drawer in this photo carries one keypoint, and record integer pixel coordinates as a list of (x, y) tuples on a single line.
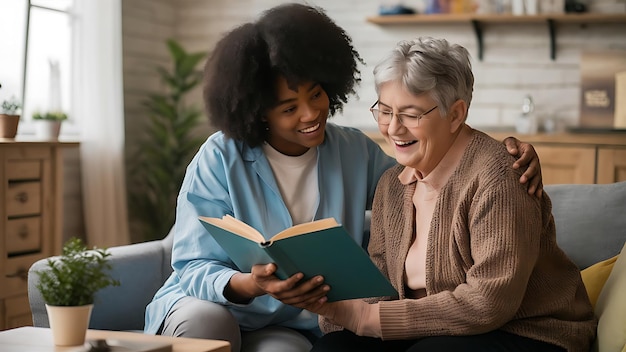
[(567, 164), (17, 312), (24, 170), (16, 274), (23, 235), (23, 198)]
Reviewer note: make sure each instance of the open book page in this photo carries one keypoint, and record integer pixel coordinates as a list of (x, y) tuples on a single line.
[(236, 226), (242, 229), (306, 227)]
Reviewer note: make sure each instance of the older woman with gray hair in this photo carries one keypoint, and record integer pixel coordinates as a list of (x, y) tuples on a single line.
[(473, 256)]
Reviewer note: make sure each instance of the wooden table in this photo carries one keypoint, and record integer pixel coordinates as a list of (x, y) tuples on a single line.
[(34, 339)]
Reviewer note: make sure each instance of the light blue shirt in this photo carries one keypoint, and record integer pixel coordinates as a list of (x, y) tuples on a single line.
[(228, 177)]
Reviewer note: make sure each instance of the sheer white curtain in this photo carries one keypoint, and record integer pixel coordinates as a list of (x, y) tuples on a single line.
[(99, 104)]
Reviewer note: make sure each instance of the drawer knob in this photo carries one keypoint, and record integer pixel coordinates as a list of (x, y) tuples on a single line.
[(21, 197), (21, 273), (23, 233)]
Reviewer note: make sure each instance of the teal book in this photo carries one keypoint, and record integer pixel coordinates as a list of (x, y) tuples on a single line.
[(321, 247)]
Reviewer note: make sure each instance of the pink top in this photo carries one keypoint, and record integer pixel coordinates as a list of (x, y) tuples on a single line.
[(424, 199)]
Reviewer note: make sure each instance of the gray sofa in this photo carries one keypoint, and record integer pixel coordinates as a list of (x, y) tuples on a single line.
[(590, 221)]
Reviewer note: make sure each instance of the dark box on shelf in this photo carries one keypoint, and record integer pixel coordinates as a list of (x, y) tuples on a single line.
[(603, 89)]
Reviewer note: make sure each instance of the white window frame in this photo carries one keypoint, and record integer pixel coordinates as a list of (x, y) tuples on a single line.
[(71, 128)]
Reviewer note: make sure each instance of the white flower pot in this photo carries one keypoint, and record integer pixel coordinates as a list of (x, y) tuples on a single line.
[(47, 129), (69, 324)]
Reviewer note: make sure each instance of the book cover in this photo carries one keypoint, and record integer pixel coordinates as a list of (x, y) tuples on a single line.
[(121, 345), (321, 247)]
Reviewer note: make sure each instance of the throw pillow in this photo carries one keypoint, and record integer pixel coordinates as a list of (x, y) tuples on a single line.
[(595, 276), (611, 309)]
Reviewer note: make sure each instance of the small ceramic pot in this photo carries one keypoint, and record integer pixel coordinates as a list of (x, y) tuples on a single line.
[(8, 125), (69, 324), (47, 129)]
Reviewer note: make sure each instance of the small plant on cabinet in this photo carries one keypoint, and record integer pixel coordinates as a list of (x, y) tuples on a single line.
[(50, 115), (9, 117), (48, 124), (11, 106)]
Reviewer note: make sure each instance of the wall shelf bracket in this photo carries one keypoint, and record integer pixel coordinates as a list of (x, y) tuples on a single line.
[(478, 31), (552, 30)]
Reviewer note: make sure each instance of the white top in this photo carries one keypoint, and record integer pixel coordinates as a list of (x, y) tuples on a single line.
[(297, 180)]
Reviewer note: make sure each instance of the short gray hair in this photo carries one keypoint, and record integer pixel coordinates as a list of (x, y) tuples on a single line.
[(429, 65)]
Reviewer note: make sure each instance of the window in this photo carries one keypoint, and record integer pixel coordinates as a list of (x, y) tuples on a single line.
[(37, 56), (13, 39)]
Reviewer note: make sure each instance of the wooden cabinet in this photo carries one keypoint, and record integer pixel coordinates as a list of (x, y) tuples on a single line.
[(578, 157), (30, 219), (569, 157), (566, 164), (611, 164)]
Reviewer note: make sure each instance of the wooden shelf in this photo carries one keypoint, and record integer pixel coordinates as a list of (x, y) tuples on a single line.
[(478, 20), (493, 18)]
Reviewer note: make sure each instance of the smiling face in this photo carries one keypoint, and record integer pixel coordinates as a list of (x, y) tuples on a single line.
[(298, 121), (421, 147)]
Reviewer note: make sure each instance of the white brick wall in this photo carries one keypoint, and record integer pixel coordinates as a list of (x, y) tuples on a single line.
[(516, 57)]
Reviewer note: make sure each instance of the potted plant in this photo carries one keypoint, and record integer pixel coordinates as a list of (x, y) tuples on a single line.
[(48, 124), (9, 117), (163, 152), (68, 286)]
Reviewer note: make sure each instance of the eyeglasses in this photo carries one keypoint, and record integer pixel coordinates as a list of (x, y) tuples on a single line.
[(384, 117)]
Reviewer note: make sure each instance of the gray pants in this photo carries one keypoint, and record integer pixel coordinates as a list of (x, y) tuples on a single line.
[(192, 317)]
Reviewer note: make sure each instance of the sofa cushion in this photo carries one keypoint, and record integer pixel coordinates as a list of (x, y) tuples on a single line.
[(589, 220), (611, 310), (595, 277)]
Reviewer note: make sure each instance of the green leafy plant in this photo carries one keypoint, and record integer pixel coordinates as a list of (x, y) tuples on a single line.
[(73, 278), (11, 106), (50, 115), (158, 167)]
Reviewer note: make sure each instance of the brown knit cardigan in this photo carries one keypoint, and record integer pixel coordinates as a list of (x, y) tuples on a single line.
[(493, 261)]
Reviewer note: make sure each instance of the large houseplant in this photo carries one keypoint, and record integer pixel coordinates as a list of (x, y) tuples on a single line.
[(9, 117), (157, 168), (68, 286)]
